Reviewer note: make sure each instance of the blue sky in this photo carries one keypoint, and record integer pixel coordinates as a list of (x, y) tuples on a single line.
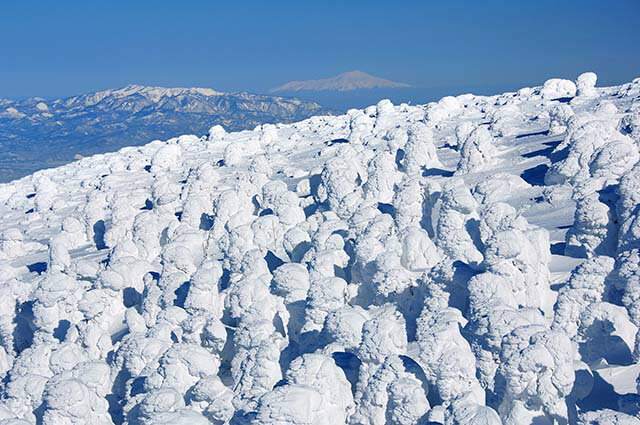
[(66, 47)]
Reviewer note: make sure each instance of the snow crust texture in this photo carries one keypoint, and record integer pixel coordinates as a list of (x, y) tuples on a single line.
[(471, 261)]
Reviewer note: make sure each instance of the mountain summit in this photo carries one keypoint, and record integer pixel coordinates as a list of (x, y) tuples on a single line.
[(143, 93), (346, 81)]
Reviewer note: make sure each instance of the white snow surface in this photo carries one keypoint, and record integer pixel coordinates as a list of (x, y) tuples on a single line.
[(152, 93), (471, 261)]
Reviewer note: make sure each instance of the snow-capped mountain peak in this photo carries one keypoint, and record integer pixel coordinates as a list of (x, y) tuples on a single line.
[(352, 80), (153, 94)]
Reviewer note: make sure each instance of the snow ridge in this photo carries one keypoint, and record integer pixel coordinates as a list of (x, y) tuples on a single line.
[(474, 260), (154, 94)]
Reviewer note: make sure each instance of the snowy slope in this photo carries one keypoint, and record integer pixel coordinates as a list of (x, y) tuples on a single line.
[(38, 133), (470, 261)]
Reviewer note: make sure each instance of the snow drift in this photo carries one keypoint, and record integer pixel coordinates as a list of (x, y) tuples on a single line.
[(471, 261)]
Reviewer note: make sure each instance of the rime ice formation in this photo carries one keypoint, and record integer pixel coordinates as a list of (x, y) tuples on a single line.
[(471, 261)]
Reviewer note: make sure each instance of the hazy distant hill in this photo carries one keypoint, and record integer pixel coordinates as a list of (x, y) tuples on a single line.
[(346, 81)]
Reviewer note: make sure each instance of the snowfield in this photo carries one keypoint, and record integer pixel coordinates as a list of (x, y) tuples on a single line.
[(472, 261)]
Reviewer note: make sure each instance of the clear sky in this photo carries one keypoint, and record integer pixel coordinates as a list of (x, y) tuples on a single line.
[(66, 47)]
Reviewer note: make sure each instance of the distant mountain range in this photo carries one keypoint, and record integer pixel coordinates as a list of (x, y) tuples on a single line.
[(37, 133), (348, 81)]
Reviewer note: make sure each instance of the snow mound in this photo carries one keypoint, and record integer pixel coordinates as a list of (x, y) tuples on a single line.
[(471, 261)]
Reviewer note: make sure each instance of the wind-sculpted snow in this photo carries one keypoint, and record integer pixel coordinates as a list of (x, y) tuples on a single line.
[(471, 261)]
